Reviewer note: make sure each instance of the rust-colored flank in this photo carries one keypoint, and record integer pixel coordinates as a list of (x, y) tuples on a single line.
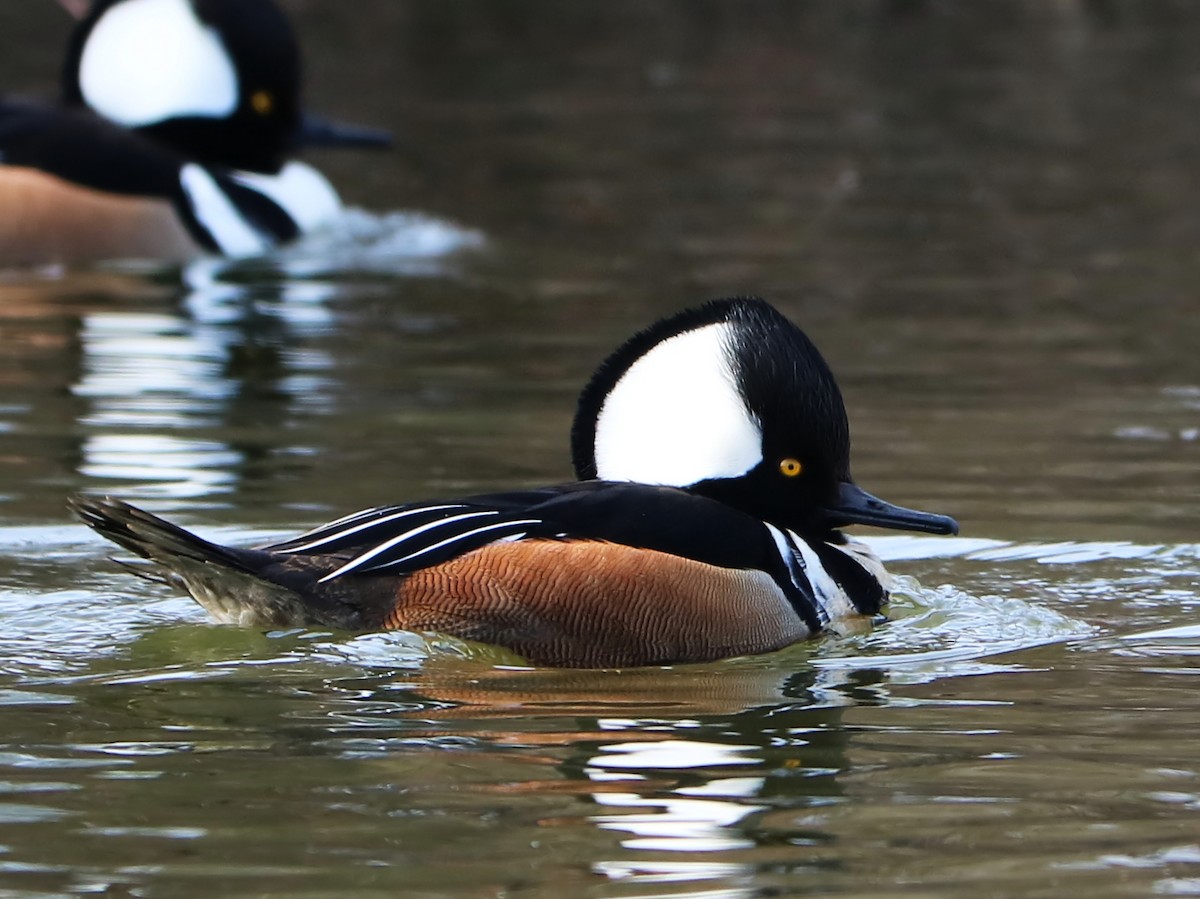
[(588, 604)]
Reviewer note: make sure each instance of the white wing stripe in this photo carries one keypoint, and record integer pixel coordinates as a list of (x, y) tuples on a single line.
[(370, 554), (466, 535), (337, 522), (345, 531)]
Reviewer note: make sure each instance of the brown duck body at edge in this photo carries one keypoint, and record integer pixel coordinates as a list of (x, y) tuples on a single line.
[(47, 220)]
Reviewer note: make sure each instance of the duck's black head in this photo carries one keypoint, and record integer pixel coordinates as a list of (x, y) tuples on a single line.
[(216, 80), (732, 401)]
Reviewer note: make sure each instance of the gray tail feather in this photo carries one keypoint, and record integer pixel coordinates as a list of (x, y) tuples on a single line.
[(148, 535), (247, 587)]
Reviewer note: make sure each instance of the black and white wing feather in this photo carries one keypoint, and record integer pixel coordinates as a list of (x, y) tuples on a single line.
[(403, 539)]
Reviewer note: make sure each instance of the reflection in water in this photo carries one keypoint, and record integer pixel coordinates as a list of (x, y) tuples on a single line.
[(173, 466), (239, 337), (681, 825), (160, 367), (696, 818), (146, 374), (681, 787), (689, 781)]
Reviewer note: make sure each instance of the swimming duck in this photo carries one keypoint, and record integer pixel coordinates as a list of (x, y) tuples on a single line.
[(713, 457), (173, 138)]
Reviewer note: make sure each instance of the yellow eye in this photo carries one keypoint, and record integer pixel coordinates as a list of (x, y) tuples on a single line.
[(790, 468), (263, 102)]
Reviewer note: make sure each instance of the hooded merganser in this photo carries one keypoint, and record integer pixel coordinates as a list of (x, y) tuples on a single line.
[(713, 455), (173, 139)]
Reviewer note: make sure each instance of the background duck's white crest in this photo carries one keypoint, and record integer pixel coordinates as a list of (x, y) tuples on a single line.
[(676, 417), (150, 60)]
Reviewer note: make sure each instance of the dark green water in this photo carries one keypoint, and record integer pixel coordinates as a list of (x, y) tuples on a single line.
[(987, 216)]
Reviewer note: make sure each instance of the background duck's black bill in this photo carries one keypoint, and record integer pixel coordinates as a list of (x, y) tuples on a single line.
[(856, 506), (317, 132)]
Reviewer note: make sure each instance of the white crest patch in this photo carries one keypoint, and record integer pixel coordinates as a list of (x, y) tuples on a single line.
[(150, 60), (676, 417), (301, 191), (216, 212)]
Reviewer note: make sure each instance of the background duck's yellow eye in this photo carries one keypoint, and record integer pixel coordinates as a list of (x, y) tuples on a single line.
[(790, 468), (263, 102)]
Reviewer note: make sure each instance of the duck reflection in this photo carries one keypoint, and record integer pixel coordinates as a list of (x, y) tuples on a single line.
[(687, 767), (159, 385), (697, 779), (697, 818), (235, 353)]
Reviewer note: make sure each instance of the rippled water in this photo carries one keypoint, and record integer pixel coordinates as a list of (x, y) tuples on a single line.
[(985, 215)]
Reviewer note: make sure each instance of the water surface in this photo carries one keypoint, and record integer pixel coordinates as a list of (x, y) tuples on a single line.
[(986, 217)]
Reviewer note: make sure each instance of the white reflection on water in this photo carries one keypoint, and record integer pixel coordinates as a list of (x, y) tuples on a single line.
[(172, 466), (212, 299), (147, 378), (146, 373), (143, 358), (697, 818), (1186, 854), (908, 548), (670, 872), (679, 824)]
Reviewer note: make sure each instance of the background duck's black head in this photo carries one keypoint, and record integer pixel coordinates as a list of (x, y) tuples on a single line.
[(263, 123)]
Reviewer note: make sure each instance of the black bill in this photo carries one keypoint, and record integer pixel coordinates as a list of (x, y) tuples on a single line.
[(855, 506), (318, 132)]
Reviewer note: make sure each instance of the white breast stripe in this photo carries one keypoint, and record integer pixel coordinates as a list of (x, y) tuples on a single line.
[(345, 531), (218, 216), (865, 556), (787, 553), (832, 600)]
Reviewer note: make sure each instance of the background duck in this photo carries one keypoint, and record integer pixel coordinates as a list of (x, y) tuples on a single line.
[(174, 137), (713, 457)]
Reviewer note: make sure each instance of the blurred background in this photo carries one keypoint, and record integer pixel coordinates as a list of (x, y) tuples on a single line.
[(987, 215)]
